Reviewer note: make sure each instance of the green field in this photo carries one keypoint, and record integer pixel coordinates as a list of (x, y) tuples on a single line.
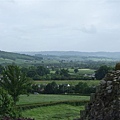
[(45, 98), (61, 111), (83, 71), (71, 82), (52, 112), (56, 112)]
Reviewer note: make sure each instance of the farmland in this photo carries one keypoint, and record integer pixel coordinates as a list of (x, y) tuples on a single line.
[(31, 99), (53, 112), (55, 106), (57, 112), (82, 71), (61, 84)]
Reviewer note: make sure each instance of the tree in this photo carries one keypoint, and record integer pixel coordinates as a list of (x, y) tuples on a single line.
[(31, 73), (76, 70), (80, 87), (15, 82), (1, 69), (64, 72), (42, 71), (51, 88), (7, 106), (5, 102), (57, 72), (24, 69), (101, 72)]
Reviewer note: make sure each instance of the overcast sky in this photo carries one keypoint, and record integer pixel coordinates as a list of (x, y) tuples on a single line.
[(60, 25)]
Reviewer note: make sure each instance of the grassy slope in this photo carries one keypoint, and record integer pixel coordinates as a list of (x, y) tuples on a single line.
[(45, 98), (10, 57), (54, 112), (57, 112)]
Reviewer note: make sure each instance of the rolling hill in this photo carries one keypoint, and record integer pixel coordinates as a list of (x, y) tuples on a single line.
[(10, 57)]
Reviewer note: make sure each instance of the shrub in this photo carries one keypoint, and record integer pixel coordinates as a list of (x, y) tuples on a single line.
[(7, 107)]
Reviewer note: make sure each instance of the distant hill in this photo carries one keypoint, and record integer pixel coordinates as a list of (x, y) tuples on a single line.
[(10, 57), (13, 56), (112, 55), (57, 57)]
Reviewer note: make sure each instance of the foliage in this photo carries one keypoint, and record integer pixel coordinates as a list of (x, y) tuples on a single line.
[(64, 72), (76, 70), (51, 88), (1, 69), (37, 73), (7, 107), (71, 82), (31, 73), (15, 82), (42, 71), (82, 88), (101, 72), (14, 56), (5, 103), (54, 62)]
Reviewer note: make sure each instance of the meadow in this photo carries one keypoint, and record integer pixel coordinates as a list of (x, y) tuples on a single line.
[(59, 111), (82, 71), (56, 107), (48, 98)]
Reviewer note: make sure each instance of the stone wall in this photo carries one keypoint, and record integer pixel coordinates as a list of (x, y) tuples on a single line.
[(105, 103)]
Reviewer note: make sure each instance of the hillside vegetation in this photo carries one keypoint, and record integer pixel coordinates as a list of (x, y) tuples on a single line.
[(60, 59), (10, 57)]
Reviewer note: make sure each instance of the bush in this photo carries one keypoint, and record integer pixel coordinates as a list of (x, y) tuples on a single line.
[(7, 107), (83, 88)]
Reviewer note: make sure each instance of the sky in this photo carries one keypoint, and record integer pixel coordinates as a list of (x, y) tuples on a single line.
[(60, 25)]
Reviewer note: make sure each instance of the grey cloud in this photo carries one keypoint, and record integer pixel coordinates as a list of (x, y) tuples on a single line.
[(47, 24)]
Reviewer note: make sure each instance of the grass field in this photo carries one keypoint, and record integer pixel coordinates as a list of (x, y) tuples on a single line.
[(83, 71), (52, 112), (71, 82), (57, 112), (45, 98), (60, 111)]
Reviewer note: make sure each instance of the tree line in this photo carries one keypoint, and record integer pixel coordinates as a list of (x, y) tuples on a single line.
[(81, 88), (44, 73)]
